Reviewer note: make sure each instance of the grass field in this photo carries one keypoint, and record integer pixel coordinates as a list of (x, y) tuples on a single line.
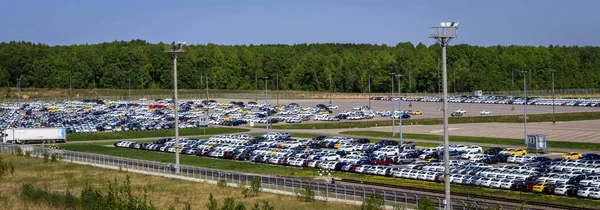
[(163, 193), (474, 139), (83, 93), (309, 173), (575, 116), (151, 134)]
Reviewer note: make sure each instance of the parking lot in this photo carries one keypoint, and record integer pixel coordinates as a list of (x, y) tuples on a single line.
[(575, 131), (572, 174), (431, 109)]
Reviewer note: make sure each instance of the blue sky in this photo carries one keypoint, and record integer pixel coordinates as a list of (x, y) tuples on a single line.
[(505, 22)]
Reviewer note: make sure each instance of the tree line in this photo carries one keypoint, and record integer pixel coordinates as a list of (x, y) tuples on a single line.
[(308, 67)]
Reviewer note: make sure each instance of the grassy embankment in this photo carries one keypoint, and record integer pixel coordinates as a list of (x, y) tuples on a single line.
[(309, 173), (151, 134), (482, 140), (574, 116), (163, 193)]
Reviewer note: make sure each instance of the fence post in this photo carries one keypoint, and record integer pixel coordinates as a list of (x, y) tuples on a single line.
[(439, 203), (354, 192), (395, 201), (417, 200)]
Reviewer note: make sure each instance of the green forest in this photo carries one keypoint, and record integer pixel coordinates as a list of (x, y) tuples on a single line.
[(308, 67)]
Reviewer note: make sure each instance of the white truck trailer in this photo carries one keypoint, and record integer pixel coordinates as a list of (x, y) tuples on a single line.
[(34, 135)]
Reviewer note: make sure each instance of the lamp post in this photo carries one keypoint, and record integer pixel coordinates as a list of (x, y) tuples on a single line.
[(267, 105), (553, 98), (525, 103), (277, 85), (330, 89), (19, 92), (444, 34), (174, 50), (393, 112), (399, 76), (369, 91)]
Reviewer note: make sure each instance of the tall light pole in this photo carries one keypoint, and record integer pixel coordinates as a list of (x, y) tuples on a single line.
[(266, 104), (330, 88), (256, 86), (19, 92), (175, 49), (277, 84), (444, 34), (70, 84), (399, 76), (369, 91), (525, 103), (553, 98), (393, 112), (129, 84)]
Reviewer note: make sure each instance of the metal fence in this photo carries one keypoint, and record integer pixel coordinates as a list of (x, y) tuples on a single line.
[(289, 186), (260, 95)]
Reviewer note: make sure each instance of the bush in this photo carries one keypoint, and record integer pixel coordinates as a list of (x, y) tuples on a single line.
[(426, 204), (46, 156), (6, 167), (28, 154), (373, 202), (55, 157), (222, 183), (230, 204), (18, 151), (212, 203), (265, 206), (307, 194), (255, 186), (245, 192)]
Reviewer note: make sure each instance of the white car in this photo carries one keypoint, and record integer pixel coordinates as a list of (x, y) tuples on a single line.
[(474, 149), (462, 111), (332, 107), (585, 192), (485, 112), (468, 155)]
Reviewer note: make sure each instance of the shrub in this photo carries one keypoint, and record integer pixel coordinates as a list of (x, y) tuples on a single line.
[(6, 167), (265, 206), (222, 183), (18, 151), (255, 186), (426, 204), (212, 203), (55, 157), (27, 153), (46, 156), (245, 192), (307, 194), (373, 202), (230, 204)]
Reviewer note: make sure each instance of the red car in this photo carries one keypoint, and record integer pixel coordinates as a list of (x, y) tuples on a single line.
[(382, 160)]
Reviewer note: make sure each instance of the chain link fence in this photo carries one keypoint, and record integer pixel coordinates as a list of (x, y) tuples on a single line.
[(289, 186)]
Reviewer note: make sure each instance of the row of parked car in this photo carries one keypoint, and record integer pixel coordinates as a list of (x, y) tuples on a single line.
[(502, 100), (570, 175)]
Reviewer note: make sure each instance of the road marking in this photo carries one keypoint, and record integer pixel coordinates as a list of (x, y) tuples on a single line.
[(442, 130)]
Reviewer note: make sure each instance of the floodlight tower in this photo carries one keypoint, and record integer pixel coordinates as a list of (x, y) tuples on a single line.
[(266, 104), (444, 34), (392, 102), (175, 49)]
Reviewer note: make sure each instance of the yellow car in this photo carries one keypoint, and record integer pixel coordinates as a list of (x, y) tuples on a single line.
[(338, 145), (226, 118), (539, 188), (572, 156), (517, 152), (416, 112)]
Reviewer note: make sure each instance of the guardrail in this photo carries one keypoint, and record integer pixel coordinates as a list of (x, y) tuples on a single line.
[(290, 186)]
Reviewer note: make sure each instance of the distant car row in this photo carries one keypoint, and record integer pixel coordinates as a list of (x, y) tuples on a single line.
[(502, 100)]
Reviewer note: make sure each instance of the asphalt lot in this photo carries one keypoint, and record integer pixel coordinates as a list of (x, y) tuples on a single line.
[(575, 131), (429, 109)]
